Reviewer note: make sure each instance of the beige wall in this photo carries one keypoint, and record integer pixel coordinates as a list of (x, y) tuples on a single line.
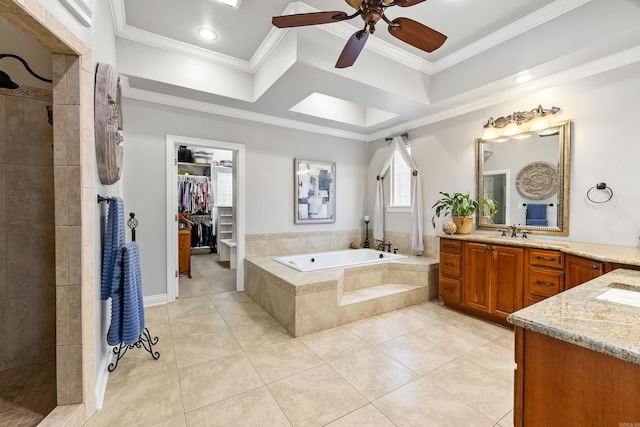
[(27, 267)]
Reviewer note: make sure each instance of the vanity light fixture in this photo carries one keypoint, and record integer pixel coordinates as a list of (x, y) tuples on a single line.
[(515, 124)]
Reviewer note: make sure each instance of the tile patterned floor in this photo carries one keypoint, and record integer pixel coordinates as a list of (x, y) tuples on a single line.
[(27, 394), (209, 275), (225, 362)]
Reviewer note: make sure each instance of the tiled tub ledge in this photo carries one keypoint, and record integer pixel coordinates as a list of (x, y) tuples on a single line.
[(308, 302)]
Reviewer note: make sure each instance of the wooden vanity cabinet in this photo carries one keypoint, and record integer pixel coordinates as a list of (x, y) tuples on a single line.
[(544, 275), (580, 270), (562, 384), (450, 270), (492, 279)]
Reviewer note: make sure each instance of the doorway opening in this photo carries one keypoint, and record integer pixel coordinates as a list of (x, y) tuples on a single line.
[(205, 216)]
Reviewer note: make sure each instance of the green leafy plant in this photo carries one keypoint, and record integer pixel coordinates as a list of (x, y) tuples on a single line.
[(456, 204), (489, 206)]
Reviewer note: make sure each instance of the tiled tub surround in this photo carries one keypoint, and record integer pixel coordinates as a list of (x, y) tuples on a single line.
[(272, 244), (308, 302), (577, 317)]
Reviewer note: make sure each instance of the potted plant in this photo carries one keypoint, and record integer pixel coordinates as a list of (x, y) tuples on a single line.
[(489, 208), (461, 208)]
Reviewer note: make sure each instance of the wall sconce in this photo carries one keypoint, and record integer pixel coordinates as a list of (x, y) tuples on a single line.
[(513, 124)]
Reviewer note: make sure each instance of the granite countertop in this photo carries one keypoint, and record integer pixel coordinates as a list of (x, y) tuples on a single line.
[(629, 255), (577, 317)]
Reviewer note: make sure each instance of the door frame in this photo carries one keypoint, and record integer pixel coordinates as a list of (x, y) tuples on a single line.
[(172, 143)]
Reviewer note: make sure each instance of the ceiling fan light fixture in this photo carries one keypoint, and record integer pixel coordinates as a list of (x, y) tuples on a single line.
[(354, 3), (207, 34)]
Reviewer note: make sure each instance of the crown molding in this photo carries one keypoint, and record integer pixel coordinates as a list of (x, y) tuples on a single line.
[(344, 31), (140, 36), (462, 105), (189, 104), (539, 17), (79, 9), (465, 106)]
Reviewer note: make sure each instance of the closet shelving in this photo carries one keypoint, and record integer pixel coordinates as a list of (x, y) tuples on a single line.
[(197, 168), (201, 219)]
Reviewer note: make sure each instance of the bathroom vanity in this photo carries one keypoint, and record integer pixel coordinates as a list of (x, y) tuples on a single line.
[(578, 355), (492, 276)]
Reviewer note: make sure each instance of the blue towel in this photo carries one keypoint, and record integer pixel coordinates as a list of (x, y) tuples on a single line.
[(127, 306), (537, 214), (113, 241)]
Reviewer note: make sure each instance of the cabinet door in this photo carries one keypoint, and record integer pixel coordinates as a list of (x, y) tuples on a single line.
[(581, 270), (477, 277), (507, 265)]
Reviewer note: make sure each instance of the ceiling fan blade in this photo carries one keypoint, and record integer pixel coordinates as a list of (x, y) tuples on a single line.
[(302, 19), (416, 34), (408, 3), (352, 49)]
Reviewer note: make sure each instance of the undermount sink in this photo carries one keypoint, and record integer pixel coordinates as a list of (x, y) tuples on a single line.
[(621, 296)]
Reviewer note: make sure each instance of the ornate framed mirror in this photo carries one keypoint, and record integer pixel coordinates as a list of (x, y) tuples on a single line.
[(527, 175)]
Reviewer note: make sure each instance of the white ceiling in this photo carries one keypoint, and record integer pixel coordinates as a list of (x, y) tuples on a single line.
[(256, 71)]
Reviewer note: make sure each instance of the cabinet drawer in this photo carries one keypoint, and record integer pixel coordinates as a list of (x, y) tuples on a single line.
[(450, 265), (546, 258), (545, 282), (451, 246), (449, 289)]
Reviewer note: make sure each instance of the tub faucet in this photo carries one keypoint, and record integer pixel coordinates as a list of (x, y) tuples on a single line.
[(383, 245)]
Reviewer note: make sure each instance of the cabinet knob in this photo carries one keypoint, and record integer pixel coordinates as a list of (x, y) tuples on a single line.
[(545, 258), (594, 267), (449, 245), (450, 264), (449, 290)]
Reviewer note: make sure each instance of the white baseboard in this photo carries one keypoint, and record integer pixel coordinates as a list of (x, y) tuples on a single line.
[(102, 378), (155, 300)]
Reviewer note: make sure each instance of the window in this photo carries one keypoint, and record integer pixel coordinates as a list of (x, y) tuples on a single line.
[(400, 181)]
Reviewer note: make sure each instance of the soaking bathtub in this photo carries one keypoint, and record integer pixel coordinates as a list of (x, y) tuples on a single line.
[(334, 259)]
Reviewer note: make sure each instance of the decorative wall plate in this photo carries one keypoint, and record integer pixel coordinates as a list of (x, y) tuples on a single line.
[(108, 124), (537, 181)]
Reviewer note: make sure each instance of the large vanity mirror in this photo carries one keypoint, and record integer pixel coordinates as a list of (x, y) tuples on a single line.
[(527, 175)]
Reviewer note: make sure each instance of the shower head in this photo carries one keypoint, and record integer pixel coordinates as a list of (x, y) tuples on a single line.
[(5, 80)]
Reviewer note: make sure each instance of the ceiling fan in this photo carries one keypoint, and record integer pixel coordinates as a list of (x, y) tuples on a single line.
[(371, 11)]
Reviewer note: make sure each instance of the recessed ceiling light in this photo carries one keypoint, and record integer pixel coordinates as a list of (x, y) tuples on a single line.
[(523, 78), (207, 34), (232, 3)]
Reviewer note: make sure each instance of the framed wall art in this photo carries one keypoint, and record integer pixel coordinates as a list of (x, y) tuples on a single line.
[(314, 193)]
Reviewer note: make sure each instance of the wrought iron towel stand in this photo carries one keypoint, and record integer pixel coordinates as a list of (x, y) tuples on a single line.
[(145, 340)]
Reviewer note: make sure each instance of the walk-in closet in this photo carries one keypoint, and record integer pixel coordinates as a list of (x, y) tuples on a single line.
[(206, 245)]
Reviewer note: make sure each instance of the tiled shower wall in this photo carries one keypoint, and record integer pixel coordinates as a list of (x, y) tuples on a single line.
[(27, 245)]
